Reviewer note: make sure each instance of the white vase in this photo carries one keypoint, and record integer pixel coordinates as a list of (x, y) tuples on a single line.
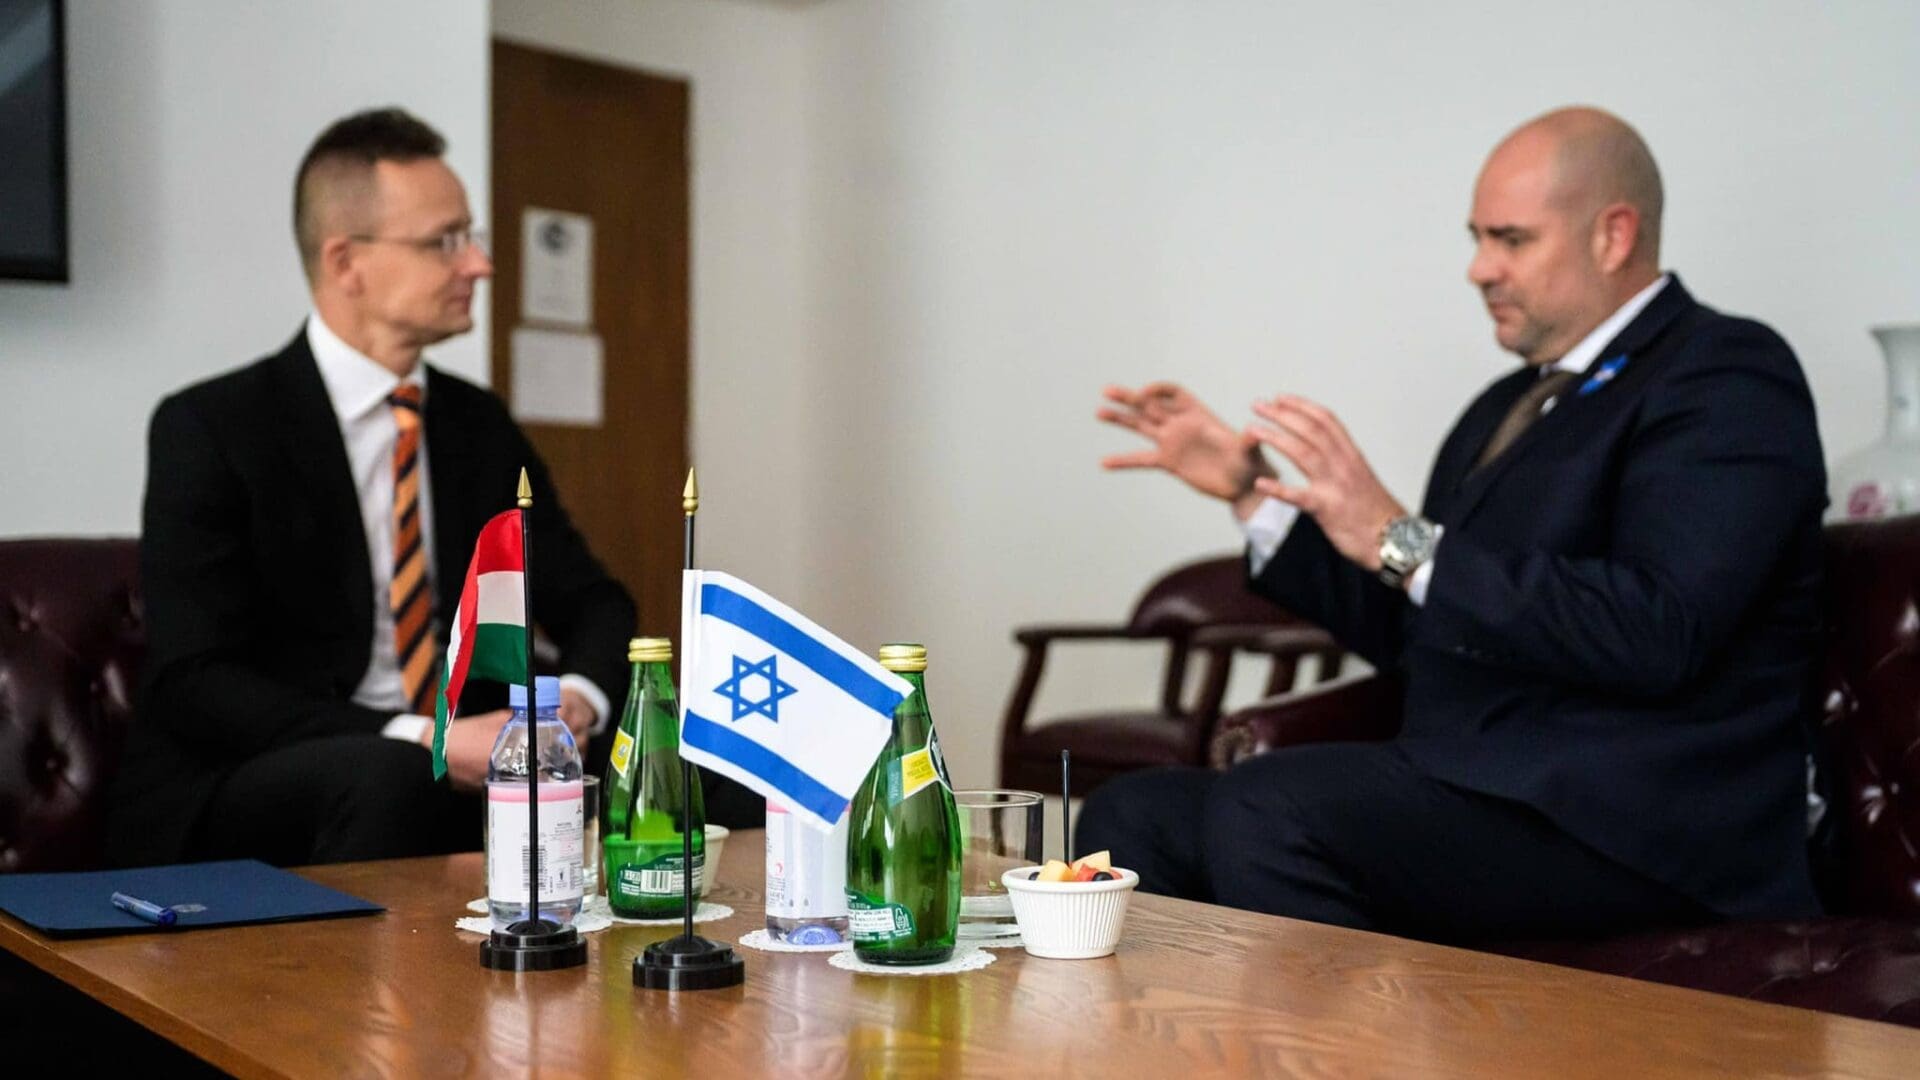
[(1883, 480)]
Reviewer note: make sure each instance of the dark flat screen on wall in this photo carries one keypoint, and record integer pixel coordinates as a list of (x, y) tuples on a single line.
[(33, 140)]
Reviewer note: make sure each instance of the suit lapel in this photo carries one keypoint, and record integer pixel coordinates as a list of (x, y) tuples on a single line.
[(1634, 342), (310, 437)]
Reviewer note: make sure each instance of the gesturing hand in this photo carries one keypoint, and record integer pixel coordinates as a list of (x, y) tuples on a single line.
[(1189, 442), (1341, 492)]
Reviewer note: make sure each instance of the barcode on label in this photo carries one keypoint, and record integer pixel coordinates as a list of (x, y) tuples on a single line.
[(659, 881)]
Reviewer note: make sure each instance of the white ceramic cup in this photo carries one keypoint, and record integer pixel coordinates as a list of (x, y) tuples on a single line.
[(716, 843)]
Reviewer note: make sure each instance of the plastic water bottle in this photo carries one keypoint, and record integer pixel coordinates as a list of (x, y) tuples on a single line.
[(562, 813), (806, 879)]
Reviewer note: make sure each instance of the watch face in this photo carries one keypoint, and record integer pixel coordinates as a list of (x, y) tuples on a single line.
[(1408, 540)]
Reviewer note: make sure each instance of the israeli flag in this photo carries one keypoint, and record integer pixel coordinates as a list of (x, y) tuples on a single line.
[(775, 702)]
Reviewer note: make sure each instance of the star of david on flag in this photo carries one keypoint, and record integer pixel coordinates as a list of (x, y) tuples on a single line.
[(774, 701), (736, 688)]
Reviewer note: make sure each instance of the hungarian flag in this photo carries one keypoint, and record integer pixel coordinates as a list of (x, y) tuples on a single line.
[(489, 639)]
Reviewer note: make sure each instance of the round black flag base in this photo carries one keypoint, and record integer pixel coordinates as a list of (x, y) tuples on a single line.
[(688, 962), (533, 946)]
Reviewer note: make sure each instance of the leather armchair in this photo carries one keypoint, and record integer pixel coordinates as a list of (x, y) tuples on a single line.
[(1864, 958), (1202, 611), (71, 644)]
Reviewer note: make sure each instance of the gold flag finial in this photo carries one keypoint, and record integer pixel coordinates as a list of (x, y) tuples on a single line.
[(526, 490), (690, 498)]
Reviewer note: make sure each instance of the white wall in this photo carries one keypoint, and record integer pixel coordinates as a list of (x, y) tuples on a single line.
[(186, 119)]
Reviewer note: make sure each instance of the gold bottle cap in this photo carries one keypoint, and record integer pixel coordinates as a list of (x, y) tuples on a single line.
[(903, 657), (649, 650)]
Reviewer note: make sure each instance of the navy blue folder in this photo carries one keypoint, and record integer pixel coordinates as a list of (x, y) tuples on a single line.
[(202, 894)]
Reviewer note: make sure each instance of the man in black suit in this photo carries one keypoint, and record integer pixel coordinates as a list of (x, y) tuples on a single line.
[(306, 532), (1605, 613)]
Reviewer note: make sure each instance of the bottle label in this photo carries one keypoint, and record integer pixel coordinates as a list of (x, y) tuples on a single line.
[(622, 753), (876, 922), (806, 867), (510, 857), (659, 878), (911, 772)]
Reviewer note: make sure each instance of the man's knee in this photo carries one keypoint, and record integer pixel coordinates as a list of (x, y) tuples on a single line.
[(1283, 828), (387, 773), (1127, 811), (387, 804)]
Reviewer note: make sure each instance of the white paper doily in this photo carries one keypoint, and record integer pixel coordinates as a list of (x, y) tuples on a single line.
[(595, 915), (1014, 941), (587, 922), (760, 939), (706, 912), (964, 958)]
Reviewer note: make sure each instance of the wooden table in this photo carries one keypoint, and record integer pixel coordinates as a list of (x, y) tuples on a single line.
[(1194, 990)]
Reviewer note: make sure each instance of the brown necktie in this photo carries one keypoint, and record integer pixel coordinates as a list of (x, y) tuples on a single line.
[(409, 596), (1523, 413)]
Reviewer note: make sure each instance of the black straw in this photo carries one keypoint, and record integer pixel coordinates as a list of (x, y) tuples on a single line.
[(1066, 801)]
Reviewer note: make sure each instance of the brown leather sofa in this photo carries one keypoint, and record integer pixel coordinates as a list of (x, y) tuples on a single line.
[(71, 641), (1864, 958)]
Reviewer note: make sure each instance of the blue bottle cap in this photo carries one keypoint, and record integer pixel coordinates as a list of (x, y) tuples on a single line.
[(546, 689)]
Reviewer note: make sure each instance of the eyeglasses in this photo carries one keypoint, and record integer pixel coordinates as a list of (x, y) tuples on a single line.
[(449, 245)]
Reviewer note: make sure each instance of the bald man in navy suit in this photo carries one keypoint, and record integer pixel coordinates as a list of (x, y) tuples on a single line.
[(1604, 612)]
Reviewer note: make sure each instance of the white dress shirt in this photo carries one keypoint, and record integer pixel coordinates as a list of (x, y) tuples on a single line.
[(1269, 524), (358, 388)]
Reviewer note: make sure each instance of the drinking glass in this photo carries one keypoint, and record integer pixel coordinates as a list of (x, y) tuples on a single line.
[(999, 830), (590, 839)]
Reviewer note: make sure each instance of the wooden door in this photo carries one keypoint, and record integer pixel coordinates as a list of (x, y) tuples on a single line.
[(610, 143)]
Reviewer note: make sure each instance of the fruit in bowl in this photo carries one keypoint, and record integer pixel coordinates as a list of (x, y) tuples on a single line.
[(1095, 867)]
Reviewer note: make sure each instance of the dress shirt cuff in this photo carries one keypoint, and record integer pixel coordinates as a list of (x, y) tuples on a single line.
[(408, 728), (1266, 530), (585, 687), (1422, 574)]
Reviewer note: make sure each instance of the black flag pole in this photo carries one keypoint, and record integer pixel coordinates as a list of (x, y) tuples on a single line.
[(688, 962), (532, 944), (525, 503)]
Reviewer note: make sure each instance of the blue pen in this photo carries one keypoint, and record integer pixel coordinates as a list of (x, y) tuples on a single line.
[(145, 909)]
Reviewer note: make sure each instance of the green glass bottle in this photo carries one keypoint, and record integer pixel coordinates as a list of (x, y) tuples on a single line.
[(616, 789), (642, 857), (903, 837)]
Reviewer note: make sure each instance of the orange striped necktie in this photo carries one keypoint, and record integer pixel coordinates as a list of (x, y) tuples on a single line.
[(411, 599)]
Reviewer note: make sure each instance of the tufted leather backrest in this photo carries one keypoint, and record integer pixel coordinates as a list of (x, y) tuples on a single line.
[(1204, 593), (71, 643), (1870, 723)]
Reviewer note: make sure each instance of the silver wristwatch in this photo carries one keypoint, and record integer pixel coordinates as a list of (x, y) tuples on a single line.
[(1405, 543)]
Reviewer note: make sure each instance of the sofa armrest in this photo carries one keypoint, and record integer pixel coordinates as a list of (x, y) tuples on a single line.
[(1363, 710)]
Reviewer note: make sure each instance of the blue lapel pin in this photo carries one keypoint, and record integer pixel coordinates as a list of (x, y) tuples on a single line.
[(1603, 376)]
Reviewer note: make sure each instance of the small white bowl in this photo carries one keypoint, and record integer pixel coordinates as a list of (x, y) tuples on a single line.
[(716, 843), (1069, 920)]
